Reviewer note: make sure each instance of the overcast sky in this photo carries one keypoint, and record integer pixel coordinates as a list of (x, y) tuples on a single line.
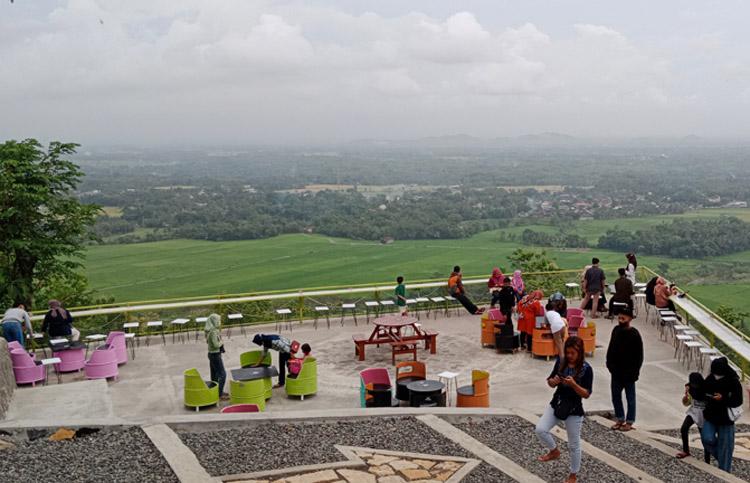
[(244, 71)]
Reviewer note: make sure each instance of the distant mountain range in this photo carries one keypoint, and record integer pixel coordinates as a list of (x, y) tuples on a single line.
[(539, 139)]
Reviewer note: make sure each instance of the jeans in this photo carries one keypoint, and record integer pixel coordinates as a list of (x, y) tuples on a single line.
[(12, 331), (617, 388), (283, 359), (468, 305), (572, 425), (218, 373), (718, 441)]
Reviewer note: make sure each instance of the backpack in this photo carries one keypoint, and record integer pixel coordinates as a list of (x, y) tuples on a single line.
[(294, 366)]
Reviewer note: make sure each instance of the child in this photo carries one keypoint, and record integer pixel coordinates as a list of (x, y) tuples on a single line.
[(694, 398), (306, 350), (401, 296)]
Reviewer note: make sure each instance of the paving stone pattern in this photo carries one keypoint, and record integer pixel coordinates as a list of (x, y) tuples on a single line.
[(271, 446), (642, 456), (380, 469), (114, 455), (514, 438)]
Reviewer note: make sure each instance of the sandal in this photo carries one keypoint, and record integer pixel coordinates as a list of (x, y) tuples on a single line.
[(682, 455), (626, 427), (617, 426)]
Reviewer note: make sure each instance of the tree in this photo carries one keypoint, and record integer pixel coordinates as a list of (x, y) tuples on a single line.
[(43, 226), (530, 261)]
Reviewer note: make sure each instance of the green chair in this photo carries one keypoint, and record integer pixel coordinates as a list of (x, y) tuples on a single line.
[(248, 392), (199, 393), (306, 382), (251, 358)]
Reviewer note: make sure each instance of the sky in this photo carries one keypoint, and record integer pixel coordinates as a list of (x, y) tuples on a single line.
[(188, 72)]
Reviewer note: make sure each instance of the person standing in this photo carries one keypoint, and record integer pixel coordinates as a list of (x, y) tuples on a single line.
[(59, 323), (724, 400), (506, 298), (623, 293), (518, 286), (280, 344), (631, 267), (624, 361), (528, 309), (400, 293), (573, 380), (12, 324), (695, 400), (495, 284), (456, 290), (212, 330), (593, 286)]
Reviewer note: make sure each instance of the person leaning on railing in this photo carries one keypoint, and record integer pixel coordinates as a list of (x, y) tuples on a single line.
[(12, 324)]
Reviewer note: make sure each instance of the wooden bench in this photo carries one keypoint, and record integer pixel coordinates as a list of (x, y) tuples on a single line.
[(360, 340), (398, 348), (430, 341)]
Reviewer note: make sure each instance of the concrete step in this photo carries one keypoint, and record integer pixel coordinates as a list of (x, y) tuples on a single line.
[(655, 458)]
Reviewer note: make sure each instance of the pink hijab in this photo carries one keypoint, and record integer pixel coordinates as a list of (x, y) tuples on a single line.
[(497, 277), (517, 282)]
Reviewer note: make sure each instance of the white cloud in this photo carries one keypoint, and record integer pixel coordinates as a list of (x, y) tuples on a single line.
[(247, 65)]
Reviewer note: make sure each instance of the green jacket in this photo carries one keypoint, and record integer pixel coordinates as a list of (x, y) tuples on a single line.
[(213, 333)]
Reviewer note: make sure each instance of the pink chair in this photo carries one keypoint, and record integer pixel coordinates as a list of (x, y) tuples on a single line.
[(102, 364), (371, 376), (117, 339), (14, 344), (26, 369), (575, 311), (71, 360), (574, 323), (241, 408)]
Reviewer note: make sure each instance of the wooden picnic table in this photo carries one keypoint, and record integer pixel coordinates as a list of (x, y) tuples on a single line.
[(391, 330)]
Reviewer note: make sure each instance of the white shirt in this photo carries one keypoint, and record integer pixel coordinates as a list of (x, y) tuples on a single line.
[(630, 272), (556, 323)]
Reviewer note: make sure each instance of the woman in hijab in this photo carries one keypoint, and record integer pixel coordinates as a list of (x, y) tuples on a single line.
[(723, 408), (215, 349), (518, 285), (58, 322), (662, 292), (495, 284)]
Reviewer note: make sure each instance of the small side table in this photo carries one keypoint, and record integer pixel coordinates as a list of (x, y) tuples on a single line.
[(450, 379), (93, 338), (48, 362)]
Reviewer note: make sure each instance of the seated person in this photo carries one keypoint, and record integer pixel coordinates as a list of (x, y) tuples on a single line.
[(623, 293), (662, 292), (59, 323), (295, 363)]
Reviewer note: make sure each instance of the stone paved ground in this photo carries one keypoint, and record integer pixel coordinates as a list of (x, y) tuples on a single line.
[(270, 446), (112, 455)]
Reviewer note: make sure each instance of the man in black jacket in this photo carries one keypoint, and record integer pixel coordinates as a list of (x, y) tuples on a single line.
[(724, 392), (624, 361)]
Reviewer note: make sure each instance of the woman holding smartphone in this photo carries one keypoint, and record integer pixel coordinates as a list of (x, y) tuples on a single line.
[(572, 378)]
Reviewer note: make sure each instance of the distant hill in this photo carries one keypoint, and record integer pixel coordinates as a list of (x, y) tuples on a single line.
[(466, 140)]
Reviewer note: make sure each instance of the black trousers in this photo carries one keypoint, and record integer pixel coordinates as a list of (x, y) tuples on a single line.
[(218, 373), (283, 359), (468, 305)]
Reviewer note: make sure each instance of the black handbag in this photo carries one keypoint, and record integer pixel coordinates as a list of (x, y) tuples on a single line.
[(563, 406)]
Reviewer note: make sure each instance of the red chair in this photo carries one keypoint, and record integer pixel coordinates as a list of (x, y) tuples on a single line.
[(26, 369), (241, 408), (370, 377)]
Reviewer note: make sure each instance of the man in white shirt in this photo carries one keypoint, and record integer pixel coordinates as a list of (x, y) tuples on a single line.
[(558, 327)]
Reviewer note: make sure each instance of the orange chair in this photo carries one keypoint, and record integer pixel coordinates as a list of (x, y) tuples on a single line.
[(542, 344), (478, 394), (489, 320), (588, 335), (406, 372)]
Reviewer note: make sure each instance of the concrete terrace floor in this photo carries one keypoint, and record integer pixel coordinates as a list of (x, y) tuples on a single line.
[(150, 386)]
